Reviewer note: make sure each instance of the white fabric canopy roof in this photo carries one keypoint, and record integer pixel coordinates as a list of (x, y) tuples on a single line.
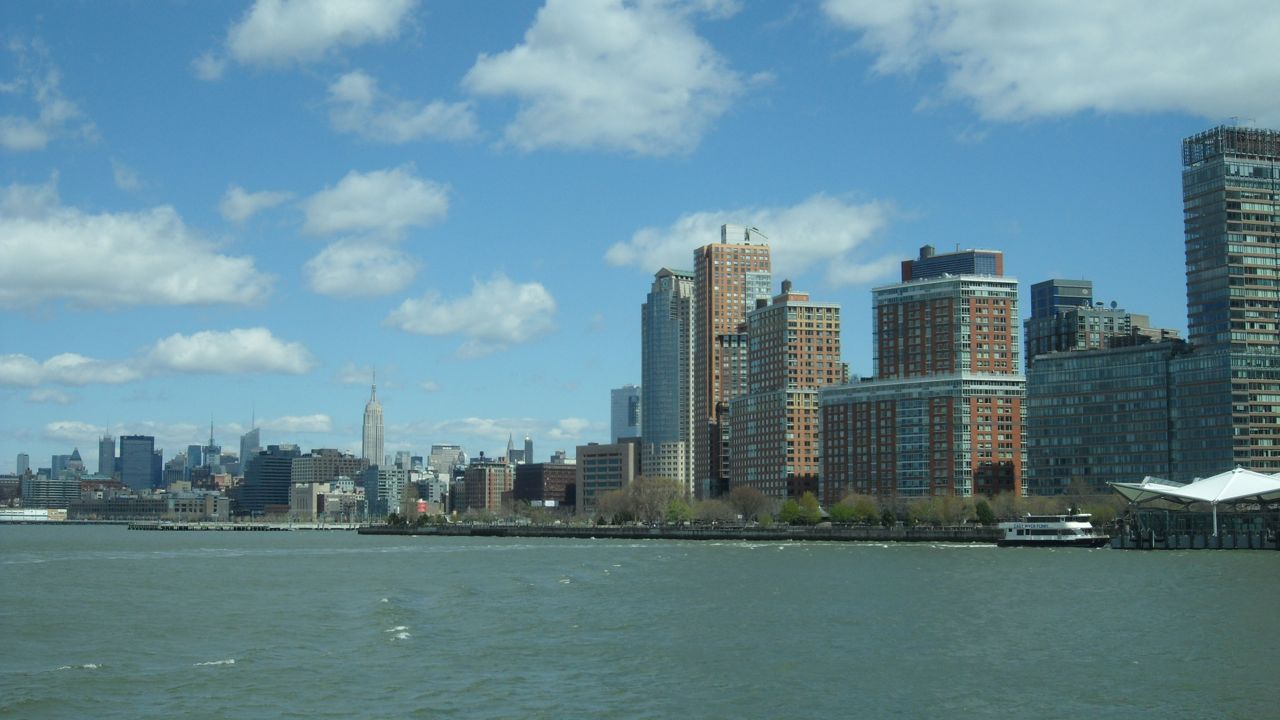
[(1231, 486)]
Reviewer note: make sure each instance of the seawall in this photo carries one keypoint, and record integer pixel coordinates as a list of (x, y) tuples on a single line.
[(971, 534)]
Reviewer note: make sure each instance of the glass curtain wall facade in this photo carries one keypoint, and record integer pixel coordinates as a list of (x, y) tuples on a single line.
[(666, 384), (1228, 409)]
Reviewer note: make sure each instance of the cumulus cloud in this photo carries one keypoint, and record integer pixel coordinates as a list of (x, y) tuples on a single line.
[(357, 106), (52, 115), (238, 205), (352, 374), (49, 251), (497, 314), (1016, 60), (614, 75), (381, 202), (284, 32), (298, 424), (239, 351), (64, 369), (822, 231), (354, 268)]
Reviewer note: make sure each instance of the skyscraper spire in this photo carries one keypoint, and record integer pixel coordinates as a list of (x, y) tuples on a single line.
[(371, 445)]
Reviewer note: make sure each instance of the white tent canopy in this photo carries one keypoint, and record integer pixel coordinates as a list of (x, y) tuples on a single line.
[(1238, 485)]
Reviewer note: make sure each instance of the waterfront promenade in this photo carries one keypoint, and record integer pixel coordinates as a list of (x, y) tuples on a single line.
[(861, 533)]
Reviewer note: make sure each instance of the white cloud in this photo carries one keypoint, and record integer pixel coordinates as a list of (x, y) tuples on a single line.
[(125, 177), (49, 251), (72, 431), (64, 369), (607, 74), (429, 386), (281, 32), (237, 205), (496, 315), (1016, 60), (251, 350), (353, 268), (209, 66), (50, 396), (381, 202), (298, 424), (38, 80), (821, 231), (357, 106)]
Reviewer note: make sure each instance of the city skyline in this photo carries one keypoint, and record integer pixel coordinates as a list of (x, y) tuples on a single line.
[(214, 210)]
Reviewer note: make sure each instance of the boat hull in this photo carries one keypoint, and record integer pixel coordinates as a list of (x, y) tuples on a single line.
[(1088, 542)]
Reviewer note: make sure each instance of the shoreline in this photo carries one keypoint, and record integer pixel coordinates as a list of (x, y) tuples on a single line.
[(967, 535)]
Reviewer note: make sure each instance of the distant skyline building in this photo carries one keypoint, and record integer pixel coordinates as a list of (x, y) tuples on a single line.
[(666, 380), (136, 457), (250, 444), (1065, 317), (624, 412), (106, 455), (944, 413), (728, 278), (528, 449), (371, 447), (486, 480), (267, 480), (793, 350), (23, 463), (443, 458)]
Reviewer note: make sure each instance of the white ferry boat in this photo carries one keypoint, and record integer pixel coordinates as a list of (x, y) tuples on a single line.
[(1052, 531)]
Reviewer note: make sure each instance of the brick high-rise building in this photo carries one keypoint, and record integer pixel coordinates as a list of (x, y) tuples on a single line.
[(944, 413), (793, 348), (728, 278)]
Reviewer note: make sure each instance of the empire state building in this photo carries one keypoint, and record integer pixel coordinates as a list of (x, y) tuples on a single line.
[(371, 448)]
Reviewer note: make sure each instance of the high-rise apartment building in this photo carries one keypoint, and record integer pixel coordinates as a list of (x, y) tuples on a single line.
[(23, 464), (728, 278), (324, 465), (371, 444), (624, 412), (944, 413), (136, 458), (666, 367), (793, 348), (1225, 411)]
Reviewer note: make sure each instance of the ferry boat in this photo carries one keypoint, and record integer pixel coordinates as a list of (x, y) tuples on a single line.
[(1072, 530)]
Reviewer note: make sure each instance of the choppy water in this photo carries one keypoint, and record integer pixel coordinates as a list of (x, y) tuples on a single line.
[(103, 622)]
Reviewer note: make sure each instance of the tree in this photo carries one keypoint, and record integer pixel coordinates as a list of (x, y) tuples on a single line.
[(986, 516), (651, 497), (887, 518), (614, 506), (790, 512), (842, 512), (714, 510), (679, 512), (810, 510), (748, 501)]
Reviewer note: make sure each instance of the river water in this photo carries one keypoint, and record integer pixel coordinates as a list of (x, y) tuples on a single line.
[(104, 622)]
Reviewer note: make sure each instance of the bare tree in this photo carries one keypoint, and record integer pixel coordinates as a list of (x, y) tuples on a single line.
[(749, 502), (651, 497)]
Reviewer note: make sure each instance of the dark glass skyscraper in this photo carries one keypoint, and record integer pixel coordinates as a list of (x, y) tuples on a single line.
[(1227, 403), (136, 458)]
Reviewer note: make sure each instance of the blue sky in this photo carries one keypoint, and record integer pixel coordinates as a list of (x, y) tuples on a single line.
[(235, 209)]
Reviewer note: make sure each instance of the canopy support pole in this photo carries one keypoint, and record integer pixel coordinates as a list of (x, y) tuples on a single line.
[(1215, 519)]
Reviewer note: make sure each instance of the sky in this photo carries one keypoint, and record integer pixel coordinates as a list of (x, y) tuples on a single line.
[(238, 212)]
